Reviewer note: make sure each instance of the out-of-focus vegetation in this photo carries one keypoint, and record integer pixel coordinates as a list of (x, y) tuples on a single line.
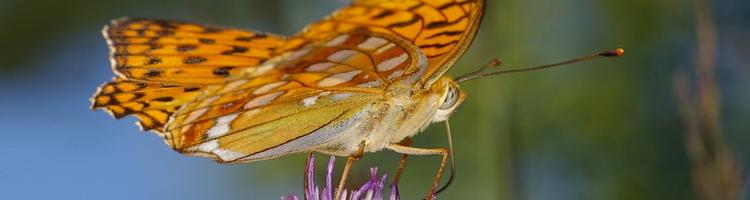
[(605, 129)]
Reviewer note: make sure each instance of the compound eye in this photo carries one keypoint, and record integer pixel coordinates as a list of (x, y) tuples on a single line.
[(450, 98)]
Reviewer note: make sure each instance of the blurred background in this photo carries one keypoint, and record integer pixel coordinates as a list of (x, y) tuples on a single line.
[(605, 129)]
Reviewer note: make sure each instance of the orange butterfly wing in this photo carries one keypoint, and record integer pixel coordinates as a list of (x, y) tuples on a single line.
[(442, 29), (239, 96), (162, 64), (294, 102)]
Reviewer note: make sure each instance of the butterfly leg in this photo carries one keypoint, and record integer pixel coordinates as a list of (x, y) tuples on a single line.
[(402, 162), (305, 180), (347, 167), (407, 150)]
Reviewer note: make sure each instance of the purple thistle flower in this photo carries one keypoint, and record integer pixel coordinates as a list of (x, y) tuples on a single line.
[(370, 190)]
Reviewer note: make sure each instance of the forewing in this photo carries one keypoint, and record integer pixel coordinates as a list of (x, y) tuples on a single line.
[(161, 64), (184, 53), (295, 102), (442, 29)]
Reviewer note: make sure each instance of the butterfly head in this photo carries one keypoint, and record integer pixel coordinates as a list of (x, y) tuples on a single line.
[(451, 98)]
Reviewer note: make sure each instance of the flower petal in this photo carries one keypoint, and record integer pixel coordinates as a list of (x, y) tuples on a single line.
[(394, 192), (328, 192), (310, 190)]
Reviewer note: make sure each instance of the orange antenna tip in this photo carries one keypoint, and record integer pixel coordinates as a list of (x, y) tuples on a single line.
[(613, 53), (620, 52)]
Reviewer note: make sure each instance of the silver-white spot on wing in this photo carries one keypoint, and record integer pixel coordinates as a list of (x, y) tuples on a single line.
[(263, 69), (341, 96), (319, 67), (299, 53), (310, 100), (342, 55), (313, 99), (268, 87), (384, 48), (212, 146), (195, 114), (263, 100), (221, 127), (337, 41), (389, 64), (372, 43), (233, 85)]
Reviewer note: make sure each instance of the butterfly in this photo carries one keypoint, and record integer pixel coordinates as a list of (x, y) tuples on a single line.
[(363, 79)]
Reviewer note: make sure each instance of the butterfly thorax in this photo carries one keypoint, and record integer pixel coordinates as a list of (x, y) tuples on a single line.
[(397, 115)]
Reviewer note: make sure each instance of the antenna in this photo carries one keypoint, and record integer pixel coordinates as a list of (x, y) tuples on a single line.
[(479, 73), (453, 159)]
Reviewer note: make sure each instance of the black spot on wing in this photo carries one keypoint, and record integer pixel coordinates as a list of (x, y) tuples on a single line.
[(248, 39), (166, 32), (191, 89), (154, 46), (185, 48), (140, 85), (141, 32), (138, 95), (127, 111), (163, 99), (164, 24), (191, 60), (153, 60), (235, 49), (222, 71), (153, 73), (206, 41)]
